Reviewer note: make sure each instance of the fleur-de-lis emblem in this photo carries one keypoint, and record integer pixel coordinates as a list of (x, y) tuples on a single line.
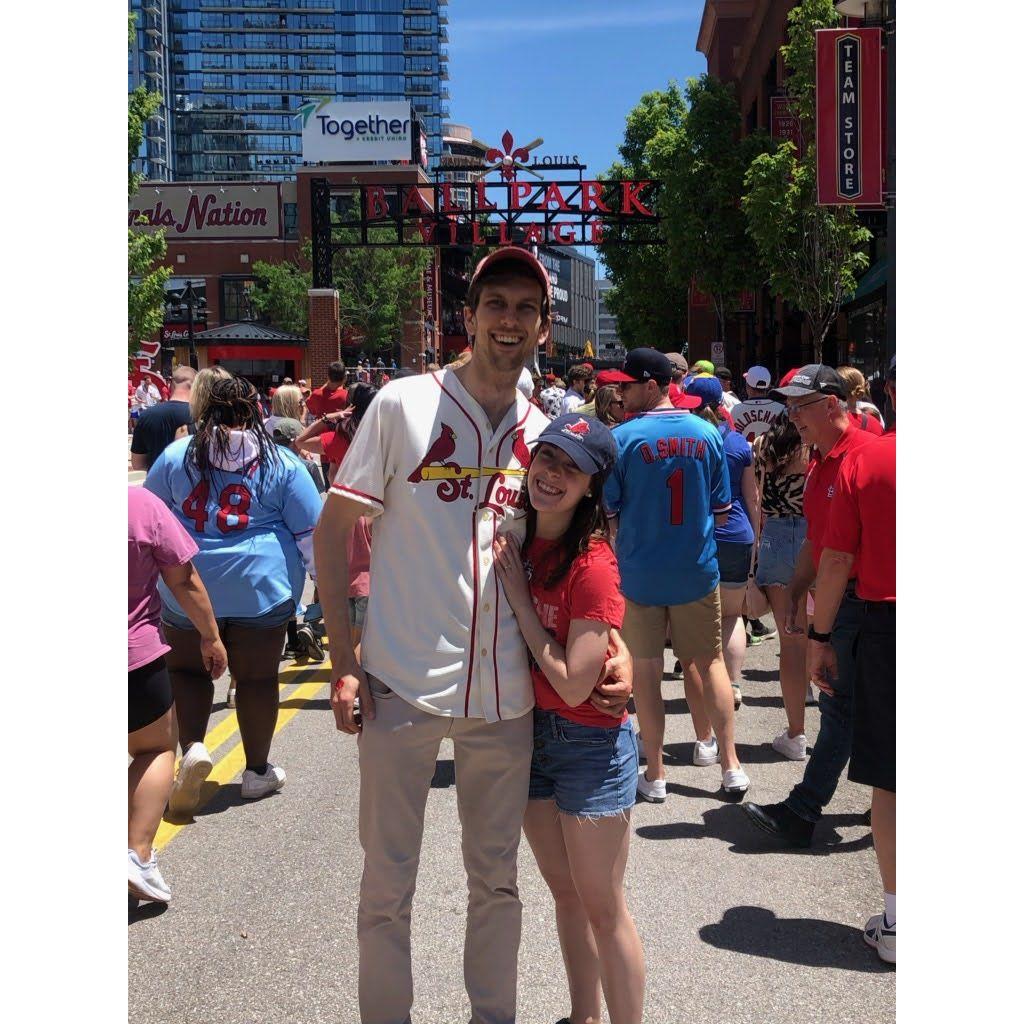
[(514, 155)]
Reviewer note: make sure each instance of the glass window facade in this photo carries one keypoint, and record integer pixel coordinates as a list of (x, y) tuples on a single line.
[(234, 75)]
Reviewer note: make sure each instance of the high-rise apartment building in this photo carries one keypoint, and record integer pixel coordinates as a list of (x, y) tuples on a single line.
[(236, 72), (608, 344)]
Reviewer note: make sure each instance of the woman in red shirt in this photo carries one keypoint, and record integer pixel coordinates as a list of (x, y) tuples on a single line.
[(564, 591)]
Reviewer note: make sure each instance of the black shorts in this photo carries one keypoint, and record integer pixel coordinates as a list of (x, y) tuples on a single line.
[(873, 760), (149, 694), (734, 563)]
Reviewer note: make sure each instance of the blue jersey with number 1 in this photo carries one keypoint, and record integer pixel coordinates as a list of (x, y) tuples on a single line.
[(254, 529), (669, 482)]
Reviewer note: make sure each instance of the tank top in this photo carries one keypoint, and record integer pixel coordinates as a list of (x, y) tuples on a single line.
[(783, 494)]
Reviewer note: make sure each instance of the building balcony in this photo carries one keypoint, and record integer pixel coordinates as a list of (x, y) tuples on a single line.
[(443, 35), (417, 46), (443, 74), (442, 18), (442, 54)]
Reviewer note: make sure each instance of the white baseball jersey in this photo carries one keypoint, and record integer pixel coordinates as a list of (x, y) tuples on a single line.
[(441, 484), (754, 416)]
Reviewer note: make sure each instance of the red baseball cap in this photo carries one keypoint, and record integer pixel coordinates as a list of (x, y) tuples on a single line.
[(606, 377), (518, 255)]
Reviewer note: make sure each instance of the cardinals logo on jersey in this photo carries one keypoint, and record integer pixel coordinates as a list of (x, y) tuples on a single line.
[(439, 451), (580, 428), (520, 452)]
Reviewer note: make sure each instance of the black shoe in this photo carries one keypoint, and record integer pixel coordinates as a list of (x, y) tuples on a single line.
[(779, 820), (310, 645), (759, 632)]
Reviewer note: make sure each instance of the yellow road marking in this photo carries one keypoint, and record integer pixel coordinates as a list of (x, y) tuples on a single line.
[(232, 763)]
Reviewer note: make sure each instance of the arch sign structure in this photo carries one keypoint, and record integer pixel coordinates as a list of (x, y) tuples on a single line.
[(480, 212)]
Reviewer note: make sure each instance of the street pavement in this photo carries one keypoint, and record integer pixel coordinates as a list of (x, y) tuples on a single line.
[(261, 928)]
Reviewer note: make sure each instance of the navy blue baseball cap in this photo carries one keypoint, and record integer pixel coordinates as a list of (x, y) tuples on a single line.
[(707, 389), (587, 441), (643, 364)]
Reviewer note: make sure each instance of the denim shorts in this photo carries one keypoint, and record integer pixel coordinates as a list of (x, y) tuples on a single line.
[(275, 617), (589, 771), (781, 540), (734, 563)]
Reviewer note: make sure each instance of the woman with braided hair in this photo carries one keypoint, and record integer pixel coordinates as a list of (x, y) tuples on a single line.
[(251, 507)]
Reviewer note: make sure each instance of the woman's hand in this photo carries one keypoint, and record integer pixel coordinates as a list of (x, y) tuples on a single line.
[(215, 658), (511, 572)]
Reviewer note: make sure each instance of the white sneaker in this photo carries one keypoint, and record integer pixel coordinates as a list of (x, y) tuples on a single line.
[(705, 754), (737, 696), (793, 747), (145, 881), (735, 780), (192, 773), (653, 792), (881, 939), (254, 786)]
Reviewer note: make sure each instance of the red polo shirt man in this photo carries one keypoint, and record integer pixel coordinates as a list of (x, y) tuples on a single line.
[(332, 396), (815, 402), (862, 531)]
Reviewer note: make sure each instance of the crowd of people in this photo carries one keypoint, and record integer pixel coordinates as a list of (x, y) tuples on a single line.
[(568, 532)]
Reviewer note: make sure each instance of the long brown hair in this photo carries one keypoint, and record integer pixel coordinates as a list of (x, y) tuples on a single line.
[(778, 445), (589, 523)]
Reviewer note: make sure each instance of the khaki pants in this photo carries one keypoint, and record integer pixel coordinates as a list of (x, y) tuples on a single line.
[(397, 753)]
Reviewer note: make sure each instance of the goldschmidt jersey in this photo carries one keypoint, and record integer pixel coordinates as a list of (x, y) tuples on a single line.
[(668, 484), (755, 416), (254, 530), (441, 483)]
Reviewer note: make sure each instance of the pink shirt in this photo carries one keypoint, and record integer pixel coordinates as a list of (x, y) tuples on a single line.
[(359, 559), (156, 540)]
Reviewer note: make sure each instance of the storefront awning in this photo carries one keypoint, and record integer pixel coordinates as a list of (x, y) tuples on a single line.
[(247, 334), (868, 287)]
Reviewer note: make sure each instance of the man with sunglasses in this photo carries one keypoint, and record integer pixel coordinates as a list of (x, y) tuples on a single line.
[(815, 401)]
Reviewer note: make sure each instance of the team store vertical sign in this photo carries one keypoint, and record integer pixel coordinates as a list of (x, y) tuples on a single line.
[(849, 116)]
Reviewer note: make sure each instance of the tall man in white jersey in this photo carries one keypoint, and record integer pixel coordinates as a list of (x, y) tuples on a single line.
[(439, 462)]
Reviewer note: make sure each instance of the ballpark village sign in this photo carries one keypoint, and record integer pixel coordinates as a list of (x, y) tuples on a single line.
[(481, 212)]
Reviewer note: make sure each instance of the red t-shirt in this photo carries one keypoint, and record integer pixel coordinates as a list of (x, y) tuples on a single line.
[(335, 444), (867, 422), (821, 484), (862, 520), (329, 398), (589, 590)]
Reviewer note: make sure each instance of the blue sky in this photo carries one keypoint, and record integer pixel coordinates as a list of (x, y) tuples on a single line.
[(567, 70)]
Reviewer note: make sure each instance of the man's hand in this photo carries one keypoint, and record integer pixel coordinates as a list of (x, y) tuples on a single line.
[(611, 698), (822, 666), (346, 686), (215, 658)]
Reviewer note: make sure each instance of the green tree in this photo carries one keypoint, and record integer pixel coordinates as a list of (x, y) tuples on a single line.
[(377, 286), (648, 295), (701, 162), (145, 248), (281, 293), (811, 253)]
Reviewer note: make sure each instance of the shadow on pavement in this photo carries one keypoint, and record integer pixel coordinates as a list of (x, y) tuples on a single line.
[(677, 706), (760, 702), (144, 911), (792, 940), (320, 704), (761, 675), (728, 824), (444, 774)]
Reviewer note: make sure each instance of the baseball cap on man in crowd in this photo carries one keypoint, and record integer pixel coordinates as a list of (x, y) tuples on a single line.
[(758, 378), (643, 364), (707, 389), (287, 430), (605, 377), (703, 366), (678, 361), (723, 373), (587, 441), (513, 254), (813, 379)]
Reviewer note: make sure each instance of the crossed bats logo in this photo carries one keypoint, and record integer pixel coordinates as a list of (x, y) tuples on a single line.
[(435, 465)]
